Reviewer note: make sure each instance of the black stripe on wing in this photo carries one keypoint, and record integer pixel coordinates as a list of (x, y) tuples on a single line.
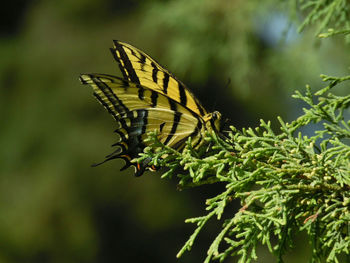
[(183, 97), (124, 63), (154, 72), (176, 121), (166, 83)]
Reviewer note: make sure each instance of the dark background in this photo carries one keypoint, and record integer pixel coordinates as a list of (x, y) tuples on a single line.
[(243, 58)]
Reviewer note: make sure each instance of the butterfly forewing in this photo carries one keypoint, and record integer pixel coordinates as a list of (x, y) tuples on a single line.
[(138, 67)]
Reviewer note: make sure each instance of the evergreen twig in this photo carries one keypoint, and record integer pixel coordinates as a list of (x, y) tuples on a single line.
[(286, 182)]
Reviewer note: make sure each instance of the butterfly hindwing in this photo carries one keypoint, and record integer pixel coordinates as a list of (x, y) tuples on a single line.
[(139, 110)]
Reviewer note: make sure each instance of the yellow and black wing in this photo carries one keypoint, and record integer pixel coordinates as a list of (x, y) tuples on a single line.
[(138, 110), (138, 67), (148, 98)]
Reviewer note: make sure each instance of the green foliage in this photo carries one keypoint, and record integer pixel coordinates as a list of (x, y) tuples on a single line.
[(287, 183), (327, 13)]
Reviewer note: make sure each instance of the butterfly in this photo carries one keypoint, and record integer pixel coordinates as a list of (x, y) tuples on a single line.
[(149, 98)]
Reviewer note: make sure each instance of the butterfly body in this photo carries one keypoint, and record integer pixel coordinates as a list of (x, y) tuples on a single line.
[(149, 98)]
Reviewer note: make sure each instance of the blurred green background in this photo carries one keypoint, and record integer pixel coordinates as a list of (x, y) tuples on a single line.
[(243, 58)]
